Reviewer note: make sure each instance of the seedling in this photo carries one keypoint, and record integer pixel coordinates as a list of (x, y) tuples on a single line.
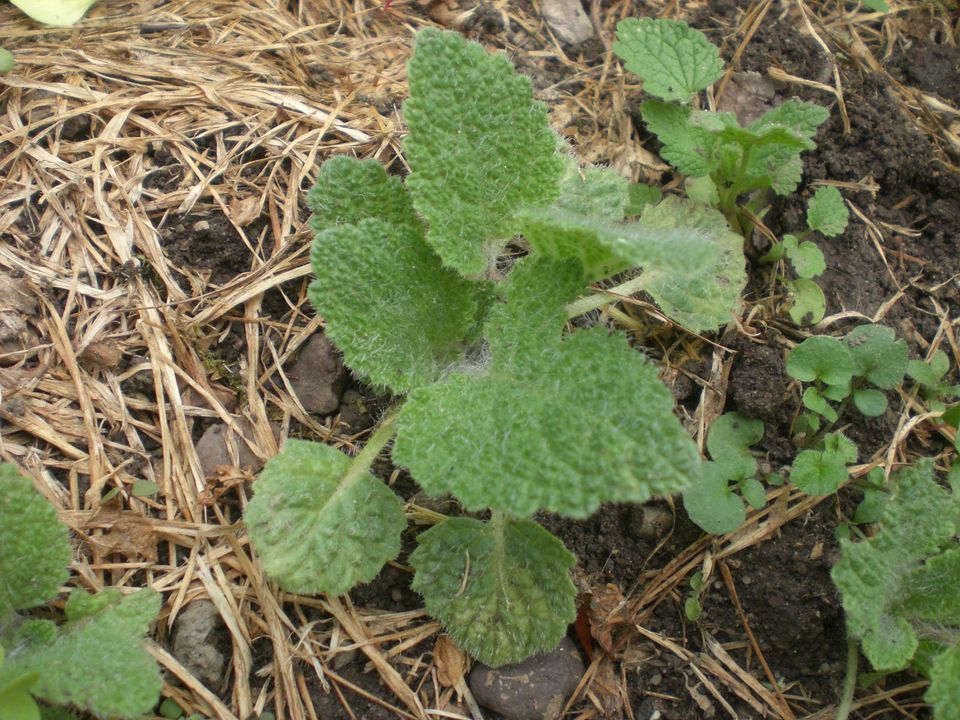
[(496, 404), (692, 607), (929, 375), (95, 660), (899, 590), (723, 161), (840, 370), (714, 503), (827, 215)]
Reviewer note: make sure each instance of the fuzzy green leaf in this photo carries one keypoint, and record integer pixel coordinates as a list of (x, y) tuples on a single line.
[(944, 690), (546, 423), (929, 373), (827, 212), (685, 145), (873, 575), (870, 402), (97, 663), (753, 492), (639, 196), (503, 591), (821, 472), (932, 590), (674, 60), (802, 118), (711, 503), (806, 257), (34, 547), (877, 355), (822, 358), (594, 192), (729, 441), (320, 522), (809, 304), (479, 148), (814, 400), (397, 315)]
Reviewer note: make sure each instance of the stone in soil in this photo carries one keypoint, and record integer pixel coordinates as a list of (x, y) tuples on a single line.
[(215, 445), (318, 376), (535, 689), (194, 642)]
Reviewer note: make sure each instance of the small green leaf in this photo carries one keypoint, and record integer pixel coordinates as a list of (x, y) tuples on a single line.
[(144, 488), (674, 60), (319, 522), (878, 356), (34, 547), (822, 358), (16, 703), (881, 6), (753, 492), (685, 146), (929, 373), (827, 212), (594, 192), (841, 446), (730, 438), (502, 590), (692, 609), (170, 710), (6, 61), (944, 689), (696, 581), (814, 400), (806, 257), (54, 12), (871, 507), (639, 196), (702, 190), (479, 148), (821, 472), (870, 402), (801, 117), (711, 503), (809, 304), (931, 590)]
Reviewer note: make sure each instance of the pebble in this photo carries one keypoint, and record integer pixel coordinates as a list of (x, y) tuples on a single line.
[(535, 689), (318, 376), (194, 642), (568, 20), (212, 447)]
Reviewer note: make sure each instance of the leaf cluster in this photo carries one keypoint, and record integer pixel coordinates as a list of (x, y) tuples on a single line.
[(899, 586), (723, 158), (500, 406), (95, 660)]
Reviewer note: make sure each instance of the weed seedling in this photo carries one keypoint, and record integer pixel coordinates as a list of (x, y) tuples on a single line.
[(929, 375)]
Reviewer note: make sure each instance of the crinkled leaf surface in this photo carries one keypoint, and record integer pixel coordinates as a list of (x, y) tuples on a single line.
[(872, 575), (320, 523), (398, 316), (801, 117), (594, 192), (686, 146), (711, 503), (698, 301), (806, 258), (34, 547), (549, 422), (98, 662), (878, 356), (823, 358), (674, 60), (944, 690), (933, 590), (503, 591), (54, 12), (827, 212), (479, 148)]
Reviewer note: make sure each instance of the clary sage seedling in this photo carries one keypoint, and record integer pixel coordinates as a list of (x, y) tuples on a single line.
[(498, 405), (95, 660), (721, 159), (899, 589)]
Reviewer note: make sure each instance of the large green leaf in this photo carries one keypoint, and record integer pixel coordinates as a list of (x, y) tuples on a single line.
[(479, 148), (502, 589), (320, 522), (562, 423), (97, 662), (34, 547), (944, 691), (54, 12)]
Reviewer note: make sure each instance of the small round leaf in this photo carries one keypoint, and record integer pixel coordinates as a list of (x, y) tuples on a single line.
[(877, 355), (870, 402), (821, 358), (809, 304), (712, 504)]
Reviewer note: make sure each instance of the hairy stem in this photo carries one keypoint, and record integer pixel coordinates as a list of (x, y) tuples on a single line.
[(605, 297), (850, 681), (365, 458)]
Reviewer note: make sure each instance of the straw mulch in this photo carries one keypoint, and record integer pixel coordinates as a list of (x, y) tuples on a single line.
[(146, 117)]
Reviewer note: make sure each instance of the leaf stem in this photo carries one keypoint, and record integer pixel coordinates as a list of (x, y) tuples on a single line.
[(378, 440), (605, 297), (850, 681)]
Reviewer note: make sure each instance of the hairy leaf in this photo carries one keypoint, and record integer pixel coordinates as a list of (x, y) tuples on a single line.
[(596, 192), (97, 663), (479, 148), (711, 503), (511, 434), (34, 547), (821, 358), (932, 590), (877, 355), (944, 690), (827, 212), (685, 146), (502, 590), (806, 257), (729, 441), (870, 402), (674, 60), (398, 316), (802, 118), (873, 575), (320, 524)]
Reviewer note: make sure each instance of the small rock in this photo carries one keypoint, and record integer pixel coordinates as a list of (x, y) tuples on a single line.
[(213, 447), (354, 412), (318, 376), (194, 642), (749, 95), (535, 689), (567, 20)]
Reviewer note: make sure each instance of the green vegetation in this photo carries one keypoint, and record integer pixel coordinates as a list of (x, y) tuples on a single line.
[(94, 661)]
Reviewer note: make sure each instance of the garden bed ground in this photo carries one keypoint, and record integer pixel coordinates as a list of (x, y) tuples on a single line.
[(154, 249)]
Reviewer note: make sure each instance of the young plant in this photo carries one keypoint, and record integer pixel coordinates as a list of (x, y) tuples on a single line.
[(899, 590), (827, 215), (929, 375), (95, 660), (496, 404), (722, 160), (714, 503)]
